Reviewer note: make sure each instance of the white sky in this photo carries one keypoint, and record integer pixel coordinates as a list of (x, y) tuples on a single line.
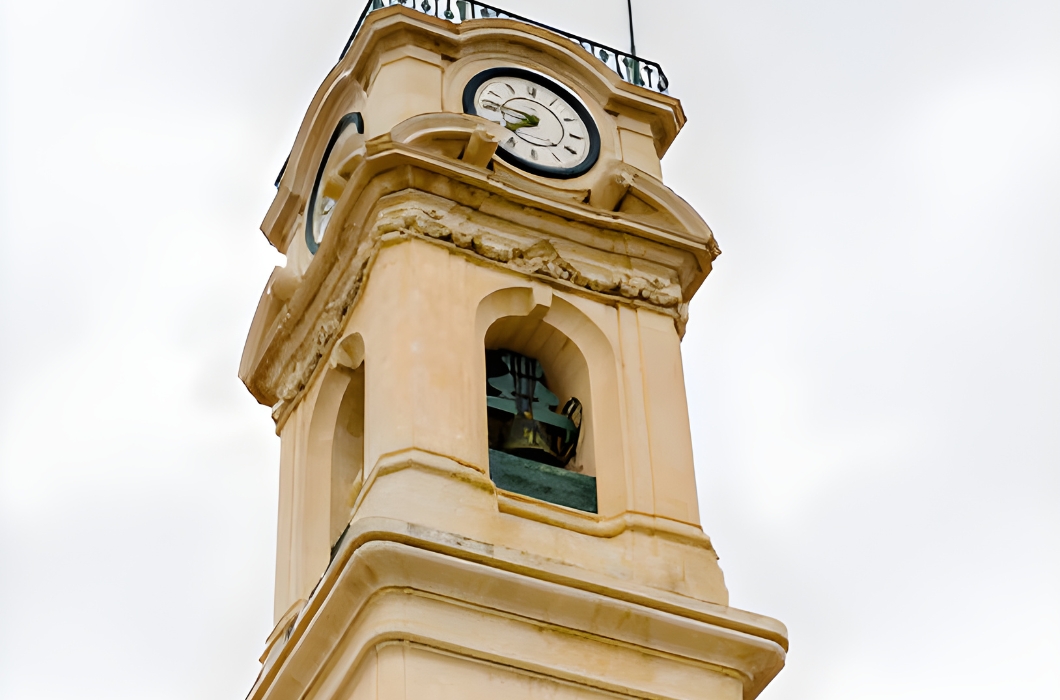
[(872, 367)]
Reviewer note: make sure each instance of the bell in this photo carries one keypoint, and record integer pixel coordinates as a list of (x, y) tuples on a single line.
[(534, 431), (526, 437)]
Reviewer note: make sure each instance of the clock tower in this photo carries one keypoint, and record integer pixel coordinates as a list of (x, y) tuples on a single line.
[(473, 361)]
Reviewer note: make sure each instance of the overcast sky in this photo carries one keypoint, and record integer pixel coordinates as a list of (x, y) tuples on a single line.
[(872, 367)]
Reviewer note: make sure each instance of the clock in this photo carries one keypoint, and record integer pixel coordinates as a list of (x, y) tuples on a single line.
[(328, 186), (552, 133)]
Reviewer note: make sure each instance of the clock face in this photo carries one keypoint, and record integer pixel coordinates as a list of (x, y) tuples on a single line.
[(329, 184), (551, 132)]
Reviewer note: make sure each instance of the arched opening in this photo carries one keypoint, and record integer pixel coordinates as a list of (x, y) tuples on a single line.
[(347, 453), (539, 413)]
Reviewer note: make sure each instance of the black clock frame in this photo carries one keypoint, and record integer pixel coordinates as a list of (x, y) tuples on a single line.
[(537, 169), (353, 118)]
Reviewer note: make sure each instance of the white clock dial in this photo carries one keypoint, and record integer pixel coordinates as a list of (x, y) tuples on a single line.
[(550, 131)]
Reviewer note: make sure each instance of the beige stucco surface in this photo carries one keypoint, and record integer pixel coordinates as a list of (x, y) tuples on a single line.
[(401, 570)]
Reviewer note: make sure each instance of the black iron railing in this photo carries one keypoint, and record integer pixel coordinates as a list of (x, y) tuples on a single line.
[(628, 67)]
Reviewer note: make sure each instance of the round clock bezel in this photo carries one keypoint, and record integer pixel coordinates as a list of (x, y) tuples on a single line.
[(354, 119), (591, 156)]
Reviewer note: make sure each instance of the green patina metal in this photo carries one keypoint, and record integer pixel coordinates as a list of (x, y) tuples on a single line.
[(531, 443), (536, 480)]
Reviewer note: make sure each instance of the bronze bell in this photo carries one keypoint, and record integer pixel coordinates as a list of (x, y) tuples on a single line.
[(523, 422)]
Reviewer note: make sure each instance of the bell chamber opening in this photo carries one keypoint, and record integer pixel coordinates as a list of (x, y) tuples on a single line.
[(533, 436)]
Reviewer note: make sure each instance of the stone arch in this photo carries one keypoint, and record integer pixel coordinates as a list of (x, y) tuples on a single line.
[(579, 360)]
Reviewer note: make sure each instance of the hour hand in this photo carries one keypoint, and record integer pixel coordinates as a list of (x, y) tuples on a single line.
[(521, 119), (513, 118)]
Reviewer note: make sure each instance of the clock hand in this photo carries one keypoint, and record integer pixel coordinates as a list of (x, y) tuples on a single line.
[(515, 126), (526, 119)]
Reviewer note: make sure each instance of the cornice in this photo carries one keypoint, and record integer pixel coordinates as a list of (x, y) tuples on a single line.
[(380, 555), (279, 362)]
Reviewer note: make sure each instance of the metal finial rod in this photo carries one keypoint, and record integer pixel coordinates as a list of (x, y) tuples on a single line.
[(632, 44)]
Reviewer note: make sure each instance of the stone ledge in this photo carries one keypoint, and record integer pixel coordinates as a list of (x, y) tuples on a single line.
[(505, 615)]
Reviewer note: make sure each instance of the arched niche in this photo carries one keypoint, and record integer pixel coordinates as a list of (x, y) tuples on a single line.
[(347, 453), (335, 454), (578, 360)]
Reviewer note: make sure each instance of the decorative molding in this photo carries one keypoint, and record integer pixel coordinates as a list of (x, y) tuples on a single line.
[(530, 252)]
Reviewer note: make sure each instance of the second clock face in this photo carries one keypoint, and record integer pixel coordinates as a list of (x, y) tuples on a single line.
[(329, 185), (552, 133)]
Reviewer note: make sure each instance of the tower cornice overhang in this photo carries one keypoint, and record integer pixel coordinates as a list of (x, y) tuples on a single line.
[(456, 205), (385, 572)]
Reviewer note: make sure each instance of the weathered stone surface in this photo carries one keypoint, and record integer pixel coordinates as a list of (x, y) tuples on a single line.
[(527, 251)]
